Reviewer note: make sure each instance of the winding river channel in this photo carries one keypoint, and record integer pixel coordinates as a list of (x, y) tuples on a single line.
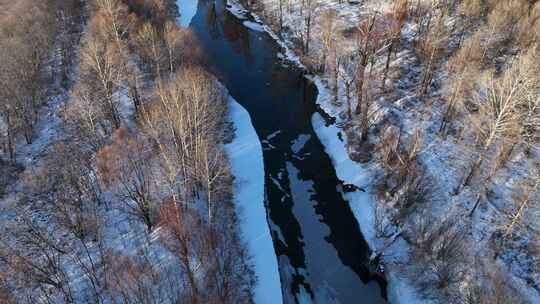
[(321, 252)]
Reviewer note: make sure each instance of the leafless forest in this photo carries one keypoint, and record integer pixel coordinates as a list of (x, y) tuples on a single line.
[(114, 186)]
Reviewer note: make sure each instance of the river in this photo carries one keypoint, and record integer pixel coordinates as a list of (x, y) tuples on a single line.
[(321, 252)]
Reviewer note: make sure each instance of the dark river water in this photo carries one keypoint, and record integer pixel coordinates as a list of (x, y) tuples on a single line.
[(321, 252)]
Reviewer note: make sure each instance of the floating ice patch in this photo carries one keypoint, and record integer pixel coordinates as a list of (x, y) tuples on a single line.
[(278, 185), (299, 143), (269, 137)]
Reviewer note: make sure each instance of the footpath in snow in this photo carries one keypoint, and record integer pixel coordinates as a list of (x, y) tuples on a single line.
[(245, 155)]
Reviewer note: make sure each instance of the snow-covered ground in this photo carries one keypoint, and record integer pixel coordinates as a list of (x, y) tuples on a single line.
[(245, 155)]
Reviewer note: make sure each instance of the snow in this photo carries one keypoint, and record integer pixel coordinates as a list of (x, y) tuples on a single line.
[(188, 9), (237, 10), (240, 12), (361, 203), (245, 154), (254, 26)]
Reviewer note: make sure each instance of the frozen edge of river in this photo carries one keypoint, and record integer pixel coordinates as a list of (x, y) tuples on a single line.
[(245, 155), (347, 170), (361, 203)]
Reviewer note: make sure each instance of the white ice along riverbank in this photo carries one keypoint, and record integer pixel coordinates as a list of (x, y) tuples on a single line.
[(361, 203), (347, 170), (245, 155)]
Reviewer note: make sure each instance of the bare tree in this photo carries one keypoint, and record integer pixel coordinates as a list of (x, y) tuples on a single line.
[(187, 112), (214, 175), (500, 112), (311, 7), (530, 123), (181, 46), (441, 248), (152, 48), (102, 66), (124, 166), (180, 226), (348, 74), (328, 24), (132, 279), (368, 43), (67, 183), (38, 260), (25, 52), (529, 190), (112, 19), (84, 117), (463, 70), (430, 48), (395, 21), (69, 17)]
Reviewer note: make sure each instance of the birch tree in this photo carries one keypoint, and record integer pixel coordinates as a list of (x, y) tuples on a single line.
[(102, 65), (500, 107)]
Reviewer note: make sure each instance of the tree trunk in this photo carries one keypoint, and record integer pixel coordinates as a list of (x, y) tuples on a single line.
[(280, 16), (473, 169), (308, 32), (360, 84), (134, 92), (11, 149), (335, 77), (364, 120), (362, 67), (427, 75), (387, 65), (348, 96), (190, 273), (112, 108), (448, 113)]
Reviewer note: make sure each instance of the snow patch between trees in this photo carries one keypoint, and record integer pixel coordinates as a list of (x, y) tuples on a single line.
[(245, 155)]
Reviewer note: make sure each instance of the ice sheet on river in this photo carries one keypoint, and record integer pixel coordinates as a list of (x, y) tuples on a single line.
[(245, 154)]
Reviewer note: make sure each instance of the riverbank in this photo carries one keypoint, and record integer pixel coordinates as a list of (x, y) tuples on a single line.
[(245, 156), (247, 167), (399, 290), (407, 97), (362, 203)]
